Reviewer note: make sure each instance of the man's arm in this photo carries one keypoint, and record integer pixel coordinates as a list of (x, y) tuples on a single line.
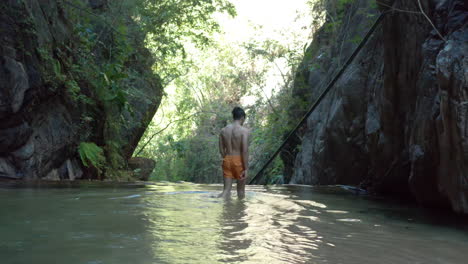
[(245, 152), (221, 146)]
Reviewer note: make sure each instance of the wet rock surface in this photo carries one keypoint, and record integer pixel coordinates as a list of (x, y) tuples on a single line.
[(40, 127), (396, 122)]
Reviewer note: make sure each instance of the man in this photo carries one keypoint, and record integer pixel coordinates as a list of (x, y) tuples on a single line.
[(233, 146)]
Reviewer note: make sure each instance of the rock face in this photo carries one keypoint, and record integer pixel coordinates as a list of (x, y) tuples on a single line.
[(396, 123), (142, 167), (40, 125)]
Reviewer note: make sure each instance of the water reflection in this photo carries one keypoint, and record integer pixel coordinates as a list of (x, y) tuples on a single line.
[(183, 223), (184, 226), (233, 245), (265, 228)]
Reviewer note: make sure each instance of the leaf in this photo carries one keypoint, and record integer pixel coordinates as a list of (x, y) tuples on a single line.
[(91, 154), (105, 78)]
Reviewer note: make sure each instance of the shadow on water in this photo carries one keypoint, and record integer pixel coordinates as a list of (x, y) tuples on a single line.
[(390, 207), (42, 184), (412, 213)]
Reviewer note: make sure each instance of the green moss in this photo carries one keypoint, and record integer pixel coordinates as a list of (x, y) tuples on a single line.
[(51, 70)]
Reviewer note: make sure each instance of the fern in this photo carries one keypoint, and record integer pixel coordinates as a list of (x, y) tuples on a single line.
[(91, 154)]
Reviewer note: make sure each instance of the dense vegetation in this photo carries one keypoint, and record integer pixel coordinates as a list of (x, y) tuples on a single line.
[(204, 74), (257, 74), (104, 68)]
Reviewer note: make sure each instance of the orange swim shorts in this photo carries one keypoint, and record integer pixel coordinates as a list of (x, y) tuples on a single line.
[(233, 167)]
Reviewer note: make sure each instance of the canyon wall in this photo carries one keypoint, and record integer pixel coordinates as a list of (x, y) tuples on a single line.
[(48, 106), (396, 123)]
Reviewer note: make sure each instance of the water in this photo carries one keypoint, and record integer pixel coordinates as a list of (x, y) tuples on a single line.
[(183, 223)]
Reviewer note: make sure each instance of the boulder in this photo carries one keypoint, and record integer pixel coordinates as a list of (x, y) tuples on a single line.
[(142, 167), (7, 170), (14, 83)]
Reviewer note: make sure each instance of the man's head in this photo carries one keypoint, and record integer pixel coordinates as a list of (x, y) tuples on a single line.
[(238, 114)]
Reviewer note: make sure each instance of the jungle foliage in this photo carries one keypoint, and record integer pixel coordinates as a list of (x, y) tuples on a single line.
[(203, 74), (107, 58), (183, 137)]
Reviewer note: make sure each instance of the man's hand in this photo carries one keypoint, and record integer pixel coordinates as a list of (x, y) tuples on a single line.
[(244, 175)]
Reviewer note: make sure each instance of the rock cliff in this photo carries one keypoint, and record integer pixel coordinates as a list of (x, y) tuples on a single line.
[(52, 73), (396, 123)]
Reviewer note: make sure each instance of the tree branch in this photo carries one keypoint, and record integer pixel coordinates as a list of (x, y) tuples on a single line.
[(166, 127), (430, 21)]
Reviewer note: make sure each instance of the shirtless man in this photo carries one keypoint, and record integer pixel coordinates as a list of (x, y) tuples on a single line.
[(233, 146)]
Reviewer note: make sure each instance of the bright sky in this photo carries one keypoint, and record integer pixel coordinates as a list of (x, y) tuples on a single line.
[(272, 15), (268, 19)]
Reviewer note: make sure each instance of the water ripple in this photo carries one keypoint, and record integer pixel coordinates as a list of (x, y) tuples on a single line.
[(183, 223)]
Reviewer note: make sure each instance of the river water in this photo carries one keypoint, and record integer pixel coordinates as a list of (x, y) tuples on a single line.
[(184, 223)]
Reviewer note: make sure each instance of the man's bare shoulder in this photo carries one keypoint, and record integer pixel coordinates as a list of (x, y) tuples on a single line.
[(245, 130), (224, 129)]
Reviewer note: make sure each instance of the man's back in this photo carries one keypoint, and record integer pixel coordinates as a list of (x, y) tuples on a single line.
[(232, 136)]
